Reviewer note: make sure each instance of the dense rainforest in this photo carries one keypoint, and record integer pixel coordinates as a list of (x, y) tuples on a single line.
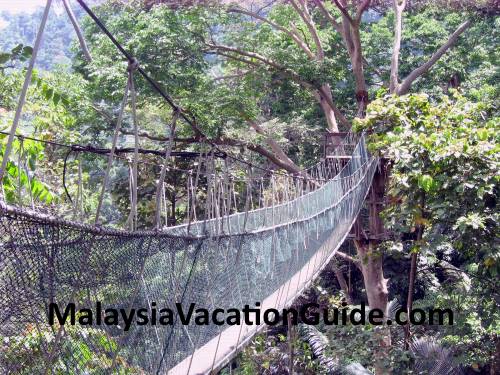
[(265, 81)]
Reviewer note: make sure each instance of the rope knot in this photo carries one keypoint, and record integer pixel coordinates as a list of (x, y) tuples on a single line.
[(133, 65)]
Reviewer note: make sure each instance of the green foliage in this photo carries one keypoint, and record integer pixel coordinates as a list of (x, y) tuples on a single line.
[(26, 352), (19, 174), (57, 47), (444, 177), (18, 53), (443, 150), (269, 355)]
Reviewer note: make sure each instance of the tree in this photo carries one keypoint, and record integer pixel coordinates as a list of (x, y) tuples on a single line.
[(443, 194)]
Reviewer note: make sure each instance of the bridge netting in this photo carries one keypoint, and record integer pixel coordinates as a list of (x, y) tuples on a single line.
[(266, 255)]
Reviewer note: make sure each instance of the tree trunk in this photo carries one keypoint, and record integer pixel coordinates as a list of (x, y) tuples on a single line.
[(373, 275), (291, 339), (377, 294), (173, 199), (342, 282), (327, 109), (409, 304), (495, 363), (358, 71), (371, 261), (413, 272)]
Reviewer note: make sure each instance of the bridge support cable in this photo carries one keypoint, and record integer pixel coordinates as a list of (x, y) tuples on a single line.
[(78, 31)]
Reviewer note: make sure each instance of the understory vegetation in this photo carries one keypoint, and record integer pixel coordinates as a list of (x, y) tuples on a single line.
[(265, 81)]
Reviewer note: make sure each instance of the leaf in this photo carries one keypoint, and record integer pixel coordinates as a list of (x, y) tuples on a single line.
[(27, 52), (49, 92), (426, 182), (56, 98), (17, 49), (4, 57)]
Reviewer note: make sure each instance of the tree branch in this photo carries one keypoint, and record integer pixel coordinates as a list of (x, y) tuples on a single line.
[(231, 76), (275, 147), (328, 15), (260, 150), (291, 74), (160, 138), (344, 11), (303, 12), (271, 63), (252, 55), (348, 258), (236, 58), (421, 70), (287, 165), (296, 38), (361, 9), (338, 115)]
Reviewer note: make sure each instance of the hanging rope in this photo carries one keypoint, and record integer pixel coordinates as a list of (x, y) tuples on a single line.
[(132, 220), (164, 167), (78, 31), (112, 152), (24, 90), (78, 205)]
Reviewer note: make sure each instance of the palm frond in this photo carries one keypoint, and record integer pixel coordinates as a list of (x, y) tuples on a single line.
[(432, 358), (319, 344), (356, 369), (392, 308)]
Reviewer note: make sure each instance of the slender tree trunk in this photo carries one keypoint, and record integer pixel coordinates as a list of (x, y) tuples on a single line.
[(413, 273), (358, 71), (173, 199), (409, 302), (291, 339), (342, 282)]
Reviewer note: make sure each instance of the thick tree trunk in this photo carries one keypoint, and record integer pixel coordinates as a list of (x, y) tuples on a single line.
[(373, 275), (371, 262), (327, 108), (377, 294)]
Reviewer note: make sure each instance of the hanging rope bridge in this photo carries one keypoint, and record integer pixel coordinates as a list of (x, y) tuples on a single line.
[(265, 244)]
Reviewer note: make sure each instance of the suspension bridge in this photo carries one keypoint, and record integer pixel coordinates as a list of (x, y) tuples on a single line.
[(266, 244)]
